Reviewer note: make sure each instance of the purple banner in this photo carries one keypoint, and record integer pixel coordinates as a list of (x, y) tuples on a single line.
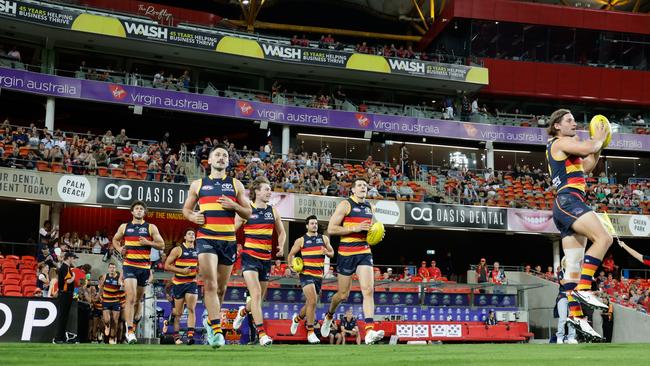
[(188, 102)]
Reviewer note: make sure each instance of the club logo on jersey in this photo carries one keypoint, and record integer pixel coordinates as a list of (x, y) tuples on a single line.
[(142, 230), (268, 215), (117, 91), (227, 186), (362, 119), (368, 211), (245, 108)]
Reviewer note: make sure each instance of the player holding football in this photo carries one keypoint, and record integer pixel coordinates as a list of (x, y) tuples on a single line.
[(569, 159), (351, 221), (313, 248)]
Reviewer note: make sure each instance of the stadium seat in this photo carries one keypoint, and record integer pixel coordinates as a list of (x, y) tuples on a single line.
[(11, 282), (102, 171), (29, 291), (57, 167), (11, 256), (118, 173)]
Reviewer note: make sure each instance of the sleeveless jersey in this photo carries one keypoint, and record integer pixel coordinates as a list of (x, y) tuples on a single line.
[(355, 243), (111, 290), (137, 255), (567, 175), (312, 255), (219, 223), (258, 233), (187, 259), (97, 305)]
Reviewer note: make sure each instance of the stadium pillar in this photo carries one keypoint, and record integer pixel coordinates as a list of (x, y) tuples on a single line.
[(49, 113), (557, 252), (55, 213), (286, 137), (489, 155)]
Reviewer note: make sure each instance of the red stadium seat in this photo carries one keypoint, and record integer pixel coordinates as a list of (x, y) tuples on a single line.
[(11, 282), (11, 256), (12, 276), (43, 166), (29, 291), (57, 167)]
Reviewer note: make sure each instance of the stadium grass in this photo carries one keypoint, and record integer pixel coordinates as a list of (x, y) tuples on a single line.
[(25, 354)]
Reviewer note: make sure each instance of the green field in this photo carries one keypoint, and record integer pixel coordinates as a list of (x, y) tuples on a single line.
[(466, 354)]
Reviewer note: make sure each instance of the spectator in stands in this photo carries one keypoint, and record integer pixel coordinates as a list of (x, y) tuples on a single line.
[(405, 276), (80, 273), (157, 257), (99, 243), (159, 80), (47, 233), (294, 40), (53, 276), (278, 268), (349, 327), (549, 275), (388, 275), (609, 265), (491, 319), (423, 271), (434, 272), (497, 275), (43, 280), (639, 121), (108, 138), (15, 54), (304, 42), (363, 48), (482, 271)]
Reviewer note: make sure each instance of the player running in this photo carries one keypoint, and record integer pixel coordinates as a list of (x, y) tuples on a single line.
[(139, 237), (183, 262), (109, 287), (256, 254), (220, 197), (569, 160), (351, 221), (313, 248)]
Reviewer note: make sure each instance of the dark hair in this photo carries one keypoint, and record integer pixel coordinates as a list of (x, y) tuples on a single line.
[(355, 180), (86, 267), (555, 117), (218, 146), (139, 203), (309, 218), (257, 183), (188, 229)]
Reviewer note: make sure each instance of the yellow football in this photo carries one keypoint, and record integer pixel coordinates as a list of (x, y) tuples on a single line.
[(297, 264), (375, 234), (600, 119)]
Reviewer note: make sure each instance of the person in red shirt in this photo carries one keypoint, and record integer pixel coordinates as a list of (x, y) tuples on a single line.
[(497, 276), (434, 272), (80, 273), (423, 271), (278, 269), (608, 263)]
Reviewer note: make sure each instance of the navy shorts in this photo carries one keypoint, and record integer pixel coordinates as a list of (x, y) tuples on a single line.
[(111, 306), (347, 264), (308, 280), (179, 291), (261, 266), (226, 251), (567, 209), (140, 274)]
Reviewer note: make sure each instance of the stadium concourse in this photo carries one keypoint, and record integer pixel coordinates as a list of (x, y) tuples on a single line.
[(422, 115)]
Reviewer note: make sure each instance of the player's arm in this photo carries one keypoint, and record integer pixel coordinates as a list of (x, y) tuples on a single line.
[(171, 258), (297, 245), (335, 228), (100, 285), (117, 238), (632, 252), (585, 148), (329, 251), (282, 234), (239, 222), (188, 207), (157, 241), (590, 162), (242, 207)]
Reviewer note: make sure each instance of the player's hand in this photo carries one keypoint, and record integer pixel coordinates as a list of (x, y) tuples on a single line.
[(227, 203), (600, 133), (197, 218), (186, 271), (365, 226), (143, 241)]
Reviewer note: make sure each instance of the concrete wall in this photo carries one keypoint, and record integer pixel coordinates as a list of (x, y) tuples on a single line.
[(630, 326)]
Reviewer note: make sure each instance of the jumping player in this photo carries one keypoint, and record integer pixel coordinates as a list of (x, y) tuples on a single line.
[(256, 253), (183, 262), (139, 237), (313, 248), (569, 160), (351, 221), (220, 197), (109, 286)]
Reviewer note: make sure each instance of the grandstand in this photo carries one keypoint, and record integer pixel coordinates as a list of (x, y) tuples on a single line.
[(445, 116)]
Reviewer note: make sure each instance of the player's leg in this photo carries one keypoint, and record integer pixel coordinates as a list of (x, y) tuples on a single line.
[(190, 300), (344, 284), (208, 270), (251, 277), (562, 311), (590, 226), (367, 284), (115, 324), (311, 297), (139, 303), (131, 291), (106, 317), (223, 276), (179, 302)]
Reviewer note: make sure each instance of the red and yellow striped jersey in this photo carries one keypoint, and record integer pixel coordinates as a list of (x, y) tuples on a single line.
[(312, 255), (567, 174), (111, 289), (187, 259), (219, 223), (137, 255), (258, 233), (355, 243), (121, 295)]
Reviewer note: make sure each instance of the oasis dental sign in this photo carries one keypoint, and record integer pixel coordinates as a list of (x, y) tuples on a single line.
[(439, 215)]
